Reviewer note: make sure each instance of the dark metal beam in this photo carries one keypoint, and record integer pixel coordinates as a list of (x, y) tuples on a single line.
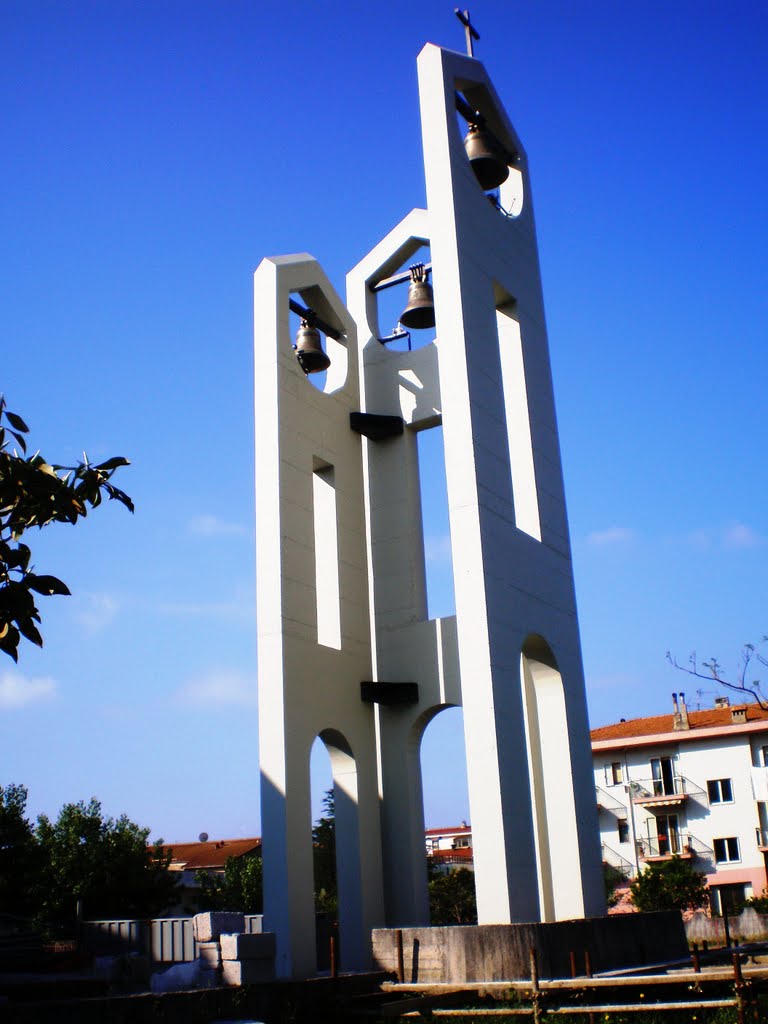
[(390, 282), (375, 426), (389, 693), (312, 317)]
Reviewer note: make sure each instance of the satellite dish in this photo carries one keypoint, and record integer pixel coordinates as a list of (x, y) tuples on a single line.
[(203, 837)]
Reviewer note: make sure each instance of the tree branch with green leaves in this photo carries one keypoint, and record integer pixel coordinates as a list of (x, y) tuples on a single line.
[(35, 493)]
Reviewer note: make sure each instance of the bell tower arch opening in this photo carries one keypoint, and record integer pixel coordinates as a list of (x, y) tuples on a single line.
[(549, 757), (435, 522), (405, 315), (336, 847), (446, 814)]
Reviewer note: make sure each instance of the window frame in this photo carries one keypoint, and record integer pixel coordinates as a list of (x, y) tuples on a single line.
[(716, 786), (727, 849), (614, 773)]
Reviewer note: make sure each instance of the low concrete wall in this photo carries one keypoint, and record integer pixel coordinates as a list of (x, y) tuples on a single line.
[(497, 952)]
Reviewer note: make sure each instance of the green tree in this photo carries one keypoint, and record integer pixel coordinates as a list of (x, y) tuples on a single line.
[(758, 903), (103, 862), (19, 854), (324, 855), (240, 888), (669, 885), (35, 493), (452, 898), (612, 879)]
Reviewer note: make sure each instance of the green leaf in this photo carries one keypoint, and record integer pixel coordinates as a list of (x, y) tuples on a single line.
[(10, 642), (116, 494), (113, 463), (16, 421), (20, 439), (30, 631), (46, 585)]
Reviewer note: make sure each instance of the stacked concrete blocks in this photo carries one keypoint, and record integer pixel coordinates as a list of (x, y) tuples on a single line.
[(229, 955), (246, 959)]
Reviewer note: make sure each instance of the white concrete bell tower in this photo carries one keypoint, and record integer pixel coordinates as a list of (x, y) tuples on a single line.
[(346, 651)]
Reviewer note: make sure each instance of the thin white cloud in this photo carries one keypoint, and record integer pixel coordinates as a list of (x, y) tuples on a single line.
[(739, 535), (218, 688), (611, 536), (438, 549), (214, 526), (95, 611), (18, 691), (733, 537)]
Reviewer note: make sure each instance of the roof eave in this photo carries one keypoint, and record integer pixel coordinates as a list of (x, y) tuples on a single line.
[(682, 736)]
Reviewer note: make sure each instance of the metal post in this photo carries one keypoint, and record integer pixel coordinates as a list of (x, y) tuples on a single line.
[(334, 968), (588, 972), (535, 994), (695, 959), (738, 984), (400, 964), (573, 964), (726, 923)]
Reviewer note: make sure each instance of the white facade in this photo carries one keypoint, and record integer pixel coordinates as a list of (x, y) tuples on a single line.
[(340, 565), (690, 783)]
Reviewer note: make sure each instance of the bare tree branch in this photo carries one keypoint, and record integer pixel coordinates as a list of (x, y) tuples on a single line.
[(715, 671)]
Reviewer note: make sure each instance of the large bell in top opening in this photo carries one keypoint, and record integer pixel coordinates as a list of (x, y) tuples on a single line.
[(419, 312), (309, 351), (486, 157)]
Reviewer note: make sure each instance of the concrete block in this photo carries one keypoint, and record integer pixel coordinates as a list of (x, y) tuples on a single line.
[(210, 953), (209, 926), (248, 947), (247, 972)]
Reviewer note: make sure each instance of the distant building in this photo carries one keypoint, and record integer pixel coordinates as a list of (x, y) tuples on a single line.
[(449, 848), (188, 858), (692, 784)]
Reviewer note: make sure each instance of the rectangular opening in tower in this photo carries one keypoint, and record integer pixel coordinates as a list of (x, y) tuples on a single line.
[(326, 556), (438, 560), (518, 421)]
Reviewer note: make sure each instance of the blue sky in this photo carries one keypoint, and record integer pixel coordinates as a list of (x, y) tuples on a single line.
[(155, 152)]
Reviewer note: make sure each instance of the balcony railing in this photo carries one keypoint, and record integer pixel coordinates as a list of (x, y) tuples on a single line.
[(607, 802), (621, 864), (662, 792), (674, 844), (461, 856)]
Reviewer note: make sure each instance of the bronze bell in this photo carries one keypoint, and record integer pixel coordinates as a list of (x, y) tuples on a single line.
[(419, 313), (309, 351), (486, 157)]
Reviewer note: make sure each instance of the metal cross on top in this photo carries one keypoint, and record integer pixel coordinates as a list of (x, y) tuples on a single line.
[(469, 28)]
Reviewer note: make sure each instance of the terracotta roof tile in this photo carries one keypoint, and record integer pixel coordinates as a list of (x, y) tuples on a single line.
[(716, 717), (451, 830), (213, 854)]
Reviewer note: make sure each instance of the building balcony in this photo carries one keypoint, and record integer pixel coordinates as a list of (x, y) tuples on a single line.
[(666, 793), (609, 803), (762, 839), (676, 844), (618, 863)]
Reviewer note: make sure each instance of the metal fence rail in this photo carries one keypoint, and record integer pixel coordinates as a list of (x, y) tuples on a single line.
[(165, 940), (547, 997)]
